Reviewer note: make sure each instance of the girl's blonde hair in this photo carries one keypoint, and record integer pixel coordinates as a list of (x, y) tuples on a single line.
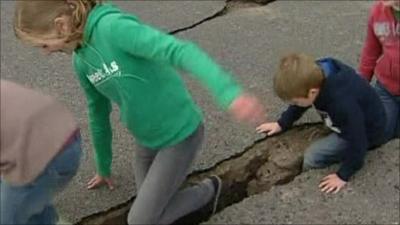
[(35, 18), (297, 74)]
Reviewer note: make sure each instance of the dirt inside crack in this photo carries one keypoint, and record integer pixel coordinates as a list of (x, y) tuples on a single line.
[(270, 161)]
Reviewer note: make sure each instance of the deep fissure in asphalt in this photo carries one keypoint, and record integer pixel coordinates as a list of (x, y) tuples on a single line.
[(269, 161)]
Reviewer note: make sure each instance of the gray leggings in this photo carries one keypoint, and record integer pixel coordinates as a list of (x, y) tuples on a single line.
[(159, 175)]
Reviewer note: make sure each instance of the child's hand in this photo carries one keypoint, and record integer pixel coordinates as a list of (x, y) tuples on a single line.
[(247, 108), (269, 128), (97, 181), (332, 183)]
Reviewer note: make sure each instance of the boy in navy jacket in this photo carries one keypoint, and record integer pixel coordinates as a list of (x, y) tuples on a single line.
[(348, 105)]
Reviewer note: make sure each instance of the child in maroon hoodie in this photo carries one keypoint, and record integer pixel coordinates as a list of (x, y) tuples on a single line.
[(380, 56)]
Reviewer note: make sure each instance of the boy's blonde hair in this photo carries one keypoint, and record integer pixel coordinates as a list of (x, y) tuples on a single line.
[(35, 18), (297, 74)]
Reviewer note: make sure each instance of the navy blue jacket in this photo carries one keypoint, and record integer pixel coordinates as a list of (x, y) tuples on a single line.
[(350, 107)]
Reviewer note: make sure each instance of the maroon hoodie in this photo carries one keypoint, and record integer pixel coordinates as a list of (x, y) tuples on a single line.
[(380, 54)]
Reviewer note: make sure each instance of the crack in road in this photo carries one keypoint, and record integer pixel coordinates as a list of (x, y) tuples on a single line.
[(271, 161), (230, 5), (222, 12)]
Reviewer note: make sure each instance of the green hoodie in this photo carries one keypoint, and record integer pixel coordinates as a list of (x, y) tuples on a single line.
[(125, 61)]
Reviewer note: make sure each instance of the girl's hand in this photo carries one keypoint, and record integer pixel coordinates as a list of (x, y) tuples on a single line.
[(98, 181), (247, 108), (332, 183), (269, 128)]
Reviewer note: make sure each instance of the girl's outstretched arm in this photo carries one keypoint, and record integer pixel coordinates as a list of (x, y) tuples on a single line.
[(147, 42)]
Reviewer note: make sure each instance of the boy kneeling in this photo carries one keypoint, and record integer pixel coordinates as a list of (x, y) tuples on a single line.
[(348, 105)]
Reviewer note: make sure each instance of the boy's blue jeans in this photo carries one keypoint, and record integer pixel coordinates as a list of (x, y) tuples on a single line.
[(392, 109), (32, 203), (329, 150)]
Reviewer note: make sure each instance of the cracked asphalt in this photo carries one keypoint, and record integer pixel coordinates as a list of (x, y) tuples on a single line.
[(248, 42)]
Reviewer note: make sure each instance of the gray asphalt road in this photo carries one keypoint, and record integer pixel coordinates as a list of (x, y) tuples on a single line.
[(172, 15), (371, 198), (248, 42)]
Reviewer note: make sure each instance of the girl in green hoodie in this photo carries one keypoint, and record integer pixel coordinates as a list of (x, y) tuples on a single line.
[(119, 59)]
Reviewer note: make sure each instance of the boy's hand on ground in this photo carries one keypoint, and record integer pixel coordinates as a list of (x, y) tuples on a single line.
[(98, 181), (332, 183), (269, 128), (247, 108)]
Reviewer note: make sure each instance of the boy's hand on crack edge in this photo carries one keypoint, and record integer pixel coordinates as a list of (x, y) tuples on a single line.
[(269, 128), (332, 184)]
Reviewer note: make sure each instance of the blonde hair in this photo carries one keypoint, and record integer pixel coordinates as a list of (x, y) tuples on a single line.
[(296, 75), (35, 18)]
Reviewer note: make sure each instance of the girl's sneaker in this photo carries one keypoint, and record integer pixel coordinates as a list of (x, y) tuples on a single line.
[(217, 183)]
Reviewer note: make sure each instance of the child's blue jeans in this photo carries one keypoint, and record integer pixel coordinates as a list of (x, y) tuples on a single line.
[(32, 203), (329, 150), (392, 109)]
